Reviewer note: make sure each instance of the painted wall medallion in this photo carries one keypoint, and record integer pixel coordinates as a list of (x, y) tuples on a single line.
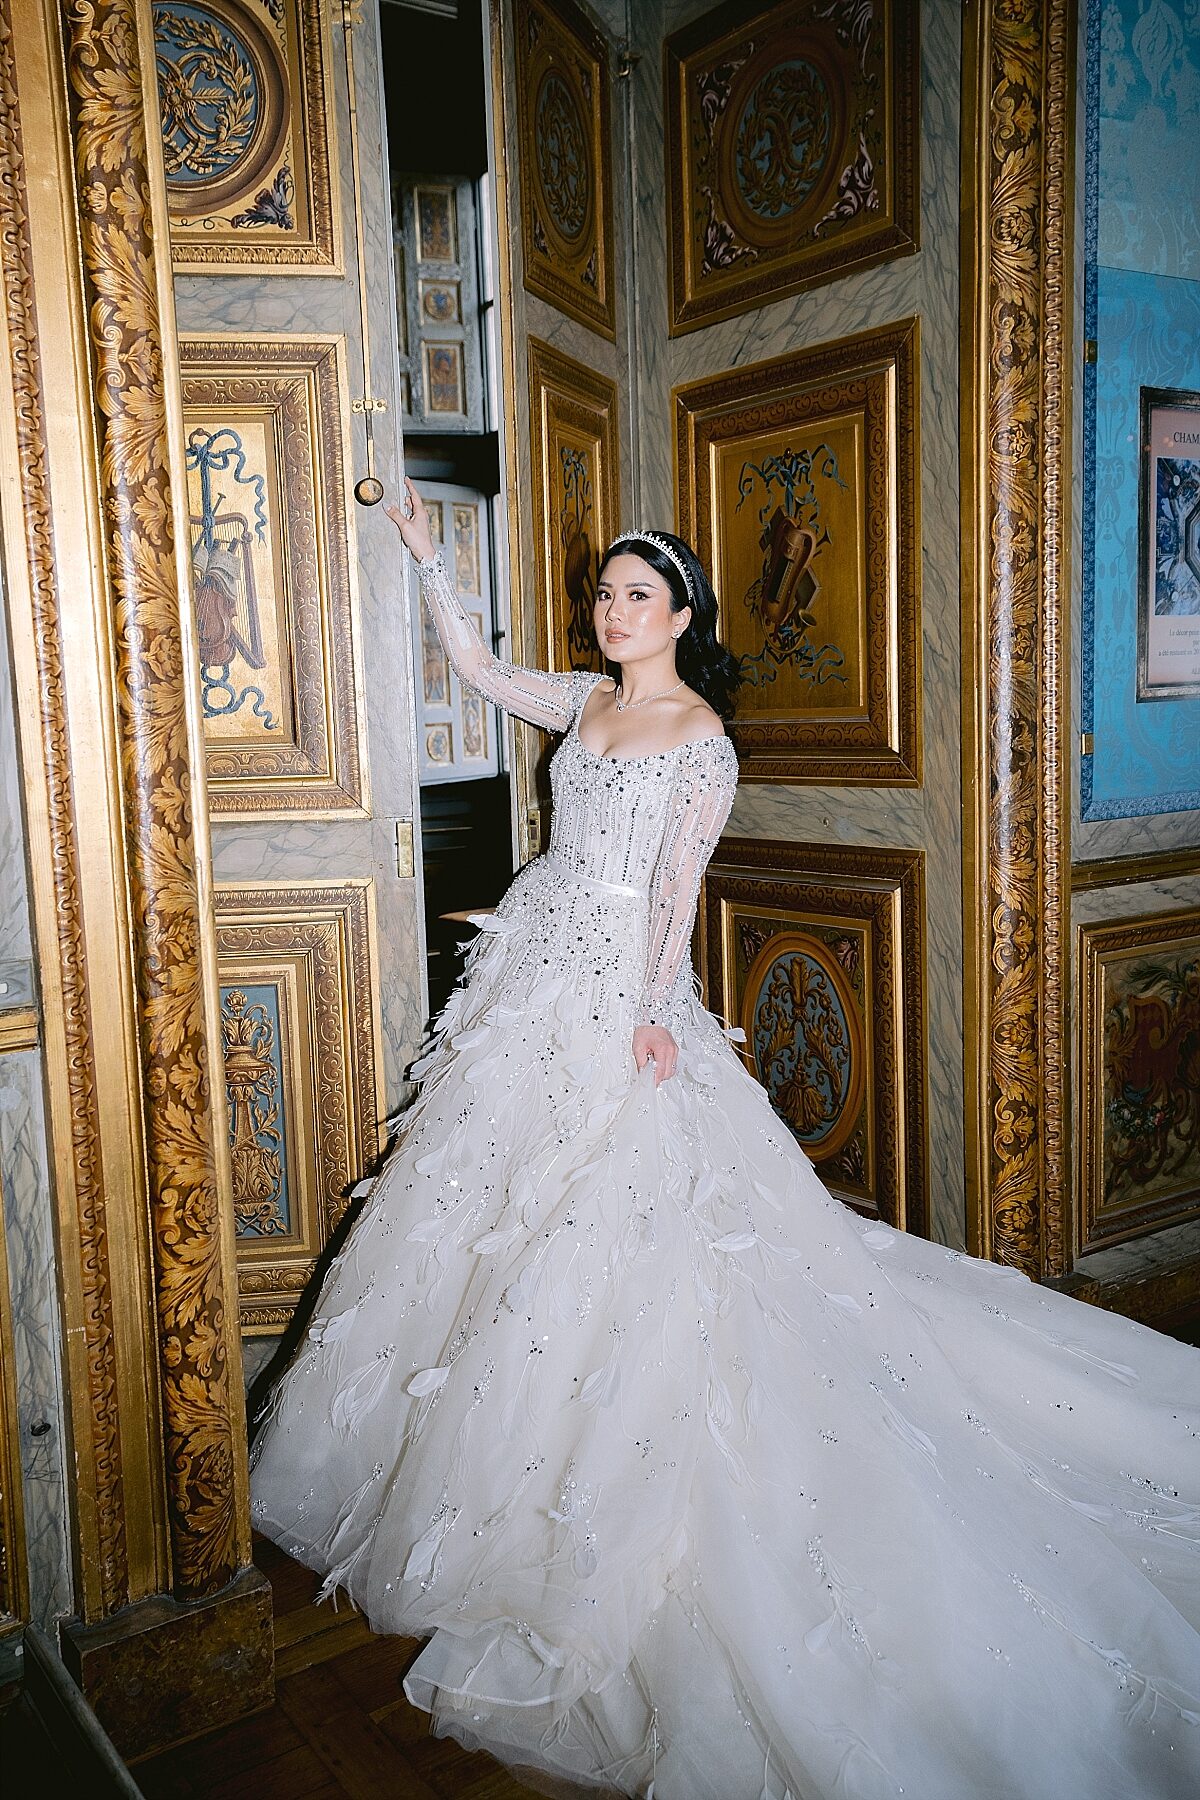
[(798, 487), (817, 954), (573, 417), (792, 149), (1139, 1075), (247, 133), (566, 178), (272, 576), (300, 1030)]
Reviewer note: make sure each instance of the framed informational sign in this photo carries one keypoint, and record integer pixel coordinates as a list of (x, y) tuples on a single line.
[(1169, 546)]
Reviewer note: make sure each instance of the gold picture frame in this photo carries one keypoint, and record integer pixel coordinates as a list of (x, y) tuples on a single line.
[(1138, 1149), (564, 136), (850, 1082), (798, 486), (576, 482), (246, 101), (273, 576), (300, 1029), (748, 224)]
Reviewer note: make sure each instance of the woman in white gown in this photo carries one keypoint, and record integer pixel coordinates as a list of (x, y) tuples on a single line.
[(701, 1486)]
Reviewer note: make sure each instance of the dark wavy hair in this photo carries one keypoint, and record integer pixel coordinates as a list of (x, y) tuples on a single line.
[(705, 664)]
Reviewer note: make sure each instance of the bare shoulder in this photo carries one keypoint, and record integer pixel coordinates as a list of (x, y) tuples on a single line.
[(696, 722)]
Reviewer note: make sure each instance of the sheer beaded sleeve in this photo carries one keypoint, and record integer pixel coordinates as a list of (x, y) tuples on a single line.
[(532, 694), (702, 795)]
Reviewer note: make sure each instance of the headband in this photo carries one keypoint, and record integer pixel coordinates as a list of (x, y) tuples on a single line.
[(660, 543)]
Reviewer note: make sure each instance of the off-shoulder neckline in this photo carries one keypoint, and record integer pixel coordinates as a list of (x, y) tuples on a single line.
[(721, 737)]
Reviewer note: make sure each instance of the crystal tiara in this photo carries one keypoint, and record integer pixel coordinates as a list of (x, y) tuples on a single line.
[(660, 543)]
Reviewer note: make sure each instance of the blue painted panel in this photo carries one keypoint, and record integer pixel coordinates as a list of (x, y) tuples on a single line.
[(256, 1083), (1142, 307)]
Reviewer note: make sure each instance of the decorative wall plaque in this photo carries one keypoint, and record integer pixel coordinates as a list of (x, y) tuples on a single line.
[(792, 149), (566, 177), (296, 966), (1139, 1076), (819, 955), (247, 128), (573, 414), (272, 575), (798, 488)]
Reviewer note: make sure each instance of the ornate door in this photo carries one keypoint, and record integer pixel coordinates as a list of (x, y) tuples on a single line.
[(278, 190)]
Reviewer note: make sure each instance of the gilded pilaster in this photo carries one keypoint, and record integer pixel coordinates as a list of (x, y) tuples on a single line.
[(113, 189), (1018, 93), (96, 575), (103, 1551)]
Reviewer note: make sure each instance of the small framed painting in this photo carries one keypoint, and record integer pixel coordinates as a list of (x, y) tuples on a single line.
[(1169, 546)]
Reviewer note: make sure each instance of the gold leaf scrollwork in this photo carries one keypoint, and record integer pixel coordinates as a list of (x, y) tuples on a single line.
[(112, 180), (104, 1480), (1026, 90)]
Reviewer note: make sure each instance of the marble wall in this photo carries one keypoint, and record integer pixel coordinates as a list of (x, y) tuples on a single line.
[(926, 284), (26, 1215)]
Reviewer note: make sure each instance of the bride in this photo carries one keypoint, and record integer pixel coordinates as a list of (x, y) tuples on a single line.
[(700, 1486)]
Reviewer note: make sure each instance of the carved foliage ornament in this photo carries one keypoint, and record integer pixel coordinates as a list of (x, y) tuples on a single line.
[(128, 381), (100, 1468), (1025, 59)]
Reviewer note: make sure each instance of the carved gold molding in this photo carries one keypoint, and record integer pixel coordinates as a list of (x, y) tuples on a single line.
[(99, 1467), (879, 892), (1120, 871), (1018, 88), (318, 766), (314, 941), (116, 223), (18, 1029)]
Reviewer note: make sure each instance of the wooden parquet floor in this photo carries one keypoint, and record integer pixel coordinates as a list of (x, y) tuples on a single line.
[(340, 1725)]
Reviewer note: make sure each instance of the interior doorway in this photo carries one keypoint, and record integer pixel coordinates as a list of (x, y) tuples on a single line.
[(435, 67)]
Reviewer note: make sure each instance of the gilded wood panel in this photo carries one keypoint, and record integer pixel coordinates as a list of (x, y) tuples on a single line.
[(299, 1015), (273, 576), (818, 954), (1019, 72), (797, 483), (245, 95), (792, 150), (576, 480), (113, 195), (99, 1461), (1138, 1076), (564, 135)]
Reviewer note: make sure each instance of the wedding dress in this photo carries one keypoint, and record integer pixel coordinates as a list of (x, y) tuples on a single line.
[(699, 1484)]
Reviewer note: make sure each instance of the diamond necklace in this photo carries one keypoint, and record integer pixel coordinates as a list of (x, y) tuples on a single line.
[(631, 705)]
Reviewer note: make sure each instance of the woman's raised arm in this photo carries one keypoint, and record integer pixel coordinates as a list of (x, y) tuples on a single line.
[(540, 698)]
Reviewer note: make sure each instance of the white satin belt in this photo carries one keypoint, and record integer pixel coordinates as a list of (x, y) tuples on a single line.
[(593, 881)]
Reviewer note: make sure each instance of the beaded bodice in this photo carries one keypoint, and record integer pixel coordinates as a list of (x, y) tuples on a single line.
[(644, 824), (611, 813)]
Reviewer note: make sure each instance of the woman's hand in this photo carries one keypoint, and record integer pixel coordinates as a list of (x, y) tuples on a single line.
[(655, 1041), (413, 528)]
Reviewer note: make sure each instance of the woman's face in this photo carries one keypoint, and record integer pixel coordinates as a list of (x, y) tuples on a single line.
[(633, 611)]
